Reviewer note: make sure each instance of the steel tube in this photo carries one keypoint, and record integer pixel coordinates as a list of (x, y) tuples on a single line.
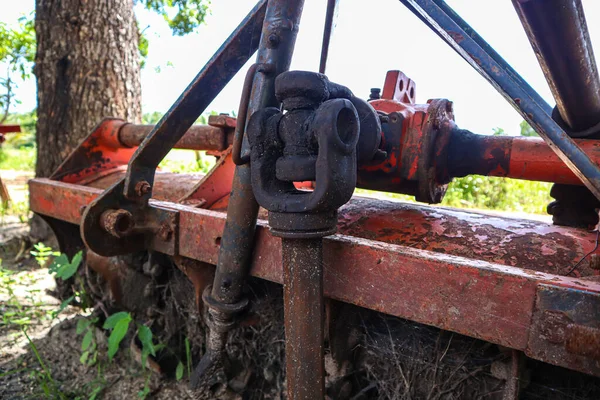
[(329, 27), (510, 86), (558, 33), (237, 241), (517, 157), (304, 317), (197, 137)]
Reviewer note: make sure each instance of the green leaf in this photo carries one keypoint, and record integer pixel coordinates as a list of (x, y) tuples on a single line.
[(82, 325), (111, 321), (116, 336), (87, 340), (58, 263), (188, 356), (145, 336), (62, 306), (96, 392), (179, 371), (69, 269), (84, 357)]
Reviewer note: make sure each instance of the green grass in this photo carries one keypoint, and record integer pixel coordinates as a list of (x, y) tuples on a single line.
[(22, 159), (489, 193), (187, 161)]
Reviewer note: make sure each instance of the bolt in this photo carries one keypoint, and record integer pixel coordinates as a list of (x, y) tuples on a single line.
[(118, 223), (273, 40), (142, 188), (375, 94)]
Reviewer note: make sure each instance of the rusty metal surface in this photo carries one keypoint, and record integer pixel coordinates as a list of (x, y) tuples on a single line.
[(278, 37), (214, 186), (100, 152), (559, 36), (232, 55), (474, 297), (515, 242), (527, 158), (168, 186), (492, 238), (566, 328), (197, 137), (304, 309)]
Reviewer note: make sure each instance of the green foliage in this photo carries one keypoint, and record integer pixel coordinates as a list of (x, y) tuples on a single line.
[(187, 161), (183, 16), (118, 324), (527, 130), (145, 336), (17, 159), (89, 347), (493, 193), (42, 253), (179, 371), (151, 118), (15, 311), (499, 132), (63, 268), (17, 51)]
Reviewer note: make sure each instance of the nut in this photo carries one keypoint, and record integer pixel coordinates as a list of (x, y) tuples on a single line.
[(142, 188)]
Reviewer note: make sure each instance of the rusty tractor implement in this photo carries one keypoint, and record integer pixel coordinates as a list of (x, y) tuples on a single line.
[(278, 203)]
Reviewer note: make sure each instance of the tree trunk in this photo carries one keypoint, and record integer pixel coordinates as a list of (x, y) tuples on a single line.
[(87, 68)]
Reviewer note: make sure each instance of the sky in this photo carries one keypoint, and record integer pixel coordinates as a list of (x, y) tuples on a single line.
[(371, 37)]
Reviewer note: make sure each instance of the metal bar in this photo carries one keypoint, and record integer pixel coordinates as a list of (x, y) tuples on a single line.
[(429, 287), (516, 157), (219, 70), (496, 73), (558, 33), (197, 137), (281, 29), (330, 17), (304, 310), (277, 42), (10, 128), (532, 244)]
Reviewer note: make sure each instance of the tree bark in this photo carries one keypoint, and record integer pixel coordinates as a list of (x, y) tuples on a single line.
[(87, 67)]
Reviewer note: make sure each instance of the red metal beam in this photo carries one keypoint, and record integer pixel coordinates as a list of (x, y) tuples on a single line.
[(10, 128), (485, 300)]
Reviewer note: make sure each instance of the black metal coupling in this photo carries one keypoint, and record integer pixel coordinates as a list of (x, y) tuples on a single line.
[(319, 137)]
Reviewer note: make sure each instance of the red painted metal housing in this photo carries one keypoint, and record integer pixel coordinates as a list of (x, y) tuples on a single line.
[(489, 277)]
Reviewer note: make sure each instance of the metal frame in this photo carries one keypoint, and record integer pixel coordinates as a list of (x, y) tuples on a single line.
[(505, 304)]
